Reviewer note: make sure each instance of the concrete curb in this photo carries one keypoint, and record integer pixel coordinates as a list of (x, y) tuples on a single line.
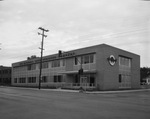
[(86, 92), (121, 91)]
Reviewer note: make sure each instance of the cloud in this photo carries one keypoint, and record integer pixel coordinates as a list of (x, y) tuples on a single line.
[(19, 38), (72, 24)]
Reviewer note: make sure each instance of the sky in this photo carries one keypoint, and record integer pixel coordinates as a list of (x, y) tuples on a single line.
[(73, 24)]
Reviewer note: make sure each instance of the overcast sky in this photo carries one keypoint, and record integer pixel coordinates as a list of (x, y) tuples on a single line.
[(73, 24)]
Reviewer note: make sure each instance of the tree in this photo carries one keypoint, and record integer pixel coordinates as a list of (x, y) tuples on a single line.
[(145, 72)]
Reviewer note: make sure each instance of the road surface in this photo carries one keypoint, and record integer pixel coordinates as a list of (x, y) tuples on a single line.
[(21, 103)]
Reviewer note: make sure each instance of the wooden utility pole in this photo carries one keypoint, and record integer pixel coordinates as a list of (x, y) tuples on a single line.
[(43, 35)]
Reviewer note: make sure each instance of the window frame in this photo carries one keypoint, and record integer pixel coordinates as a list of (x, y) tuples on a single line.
[(55, 63)]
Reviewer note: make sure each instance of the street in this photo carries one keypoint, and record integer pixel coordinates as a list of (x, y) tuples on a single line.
[(21, 103)]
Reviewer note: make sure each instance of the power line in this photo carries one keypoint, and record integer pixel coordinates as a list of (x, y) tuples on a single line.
[(114, 35)]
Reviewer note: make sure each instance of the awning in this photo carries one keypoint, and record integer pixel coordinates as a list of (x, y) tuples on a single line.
[(76, 72)]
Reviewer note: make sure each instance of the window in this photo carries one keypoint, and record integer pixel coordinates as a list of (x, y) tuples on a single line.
[(44, 79), (31, 67), (5, 71), (124, 61), (77, 60), (92, 58), (63, 62), (22, 80), (15, 80), (55, 78), (87, 59), (119, 78), (56, 63), (58, 78), (45, 65), (31, 79)]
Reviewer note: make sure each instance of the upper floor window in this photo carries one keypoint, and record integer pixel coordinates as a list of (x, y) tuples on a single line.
[(56, 63), (63, 62), (124, 61), (45, 65), (84, 59), (31, 67), (77, 60)]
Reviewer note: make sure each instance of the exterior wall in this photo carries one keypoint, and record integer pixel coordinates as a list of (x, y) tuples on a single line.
[(69, 64), (135, 72), (23, 72), (110, 73), (100, 68), (106, 76)]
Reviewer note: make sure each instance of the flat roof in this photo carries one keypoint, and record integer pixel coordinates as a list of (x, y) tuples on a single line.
[(66, 54)]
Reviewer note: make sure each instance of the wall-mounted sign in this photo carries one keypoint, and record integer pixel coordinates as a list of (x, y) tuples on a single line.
[(45, 59), (112, 60)]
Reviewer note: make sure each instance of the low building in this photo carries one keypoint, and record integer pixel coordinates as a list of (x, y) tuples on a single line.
[(5, 75), (104, 68), (147, 80)]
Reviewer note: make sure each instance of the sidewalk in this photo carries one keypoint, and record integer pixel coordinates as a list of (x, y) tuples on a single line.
[(95, 92), (77, 91), (118, 91)]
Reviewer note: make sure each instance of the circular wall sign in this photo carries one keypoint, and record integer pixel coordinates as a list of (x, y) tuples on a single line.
[(112, 60)]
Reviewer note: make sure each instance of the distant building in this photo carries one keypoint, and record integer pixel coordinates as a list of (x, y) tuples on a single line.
[(5, 75), (104, 68), (147, 80)]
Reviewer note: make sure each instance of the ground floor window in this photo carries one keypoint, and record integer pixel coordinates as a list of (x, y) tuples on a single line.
[(124, 81), (119, 78), (44, 79), (5, 80), (15, 80), (58, 78), (22, 80), (31, 79)]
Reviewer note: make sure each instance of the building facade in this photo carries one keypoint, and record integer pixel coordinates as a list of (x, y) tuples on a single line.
[(5, 75), (104, 68)]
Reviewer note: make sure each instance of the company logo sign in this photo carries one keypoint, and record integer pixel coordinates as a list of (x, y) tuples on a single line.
[(112, 60)]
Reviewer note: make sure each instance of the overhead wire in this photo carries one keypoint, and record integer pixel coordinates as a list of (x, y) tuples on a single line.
[(93, 38)]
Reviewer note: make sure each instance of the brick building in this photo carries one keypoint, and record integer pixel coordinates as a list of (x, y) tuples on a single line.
[(5, 75), (104, 68)]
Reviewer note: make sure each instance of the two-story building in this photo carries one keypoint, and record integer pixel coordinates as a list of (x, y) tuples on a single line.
[(104, 68)]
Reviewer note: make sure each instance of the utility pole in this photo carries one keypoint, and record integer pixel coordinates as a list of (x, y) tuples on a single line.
[(43, 35), (80, 71)]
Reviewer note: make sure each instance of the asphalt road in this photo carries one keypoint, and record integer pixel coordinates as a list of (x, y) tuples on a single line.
[(20, 103)]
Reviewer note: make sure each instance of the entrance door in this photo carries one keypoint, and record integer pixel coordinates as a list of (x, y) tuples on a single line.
[(88, 79), (83, 79), (92, 81)]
